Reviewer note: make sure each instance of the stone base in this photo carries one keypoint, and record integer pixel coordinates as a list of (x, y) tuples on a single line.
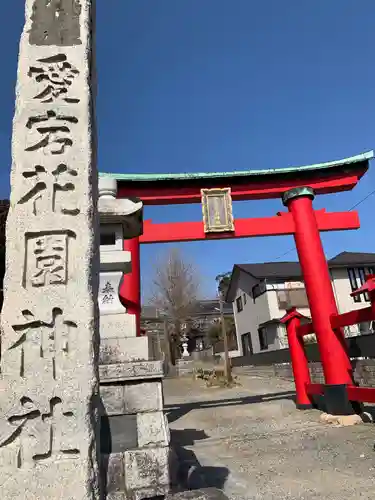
[(336, 401), (117, 326), (341, 420), (137, 370), (202, 494), (147, 470), (137, 397), (137, 474), (136, 458), (185, 367), (122, 350)]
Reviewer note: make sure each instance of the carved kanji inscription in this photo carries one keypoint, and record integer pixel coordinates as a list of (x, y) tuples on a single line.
[(107, 293), (49, 189), (54, 130), (55, 76), (46, 258), (38, 435), (44, 345)]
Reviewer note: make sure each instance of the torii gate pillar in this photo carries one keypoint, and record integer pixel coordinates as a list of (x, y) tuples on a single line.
[(333, 353), (131, 284)]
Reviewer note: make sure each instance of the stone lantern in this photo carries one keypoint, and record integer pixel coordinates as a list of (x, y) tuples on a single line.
[(118, 218), (134, 431)]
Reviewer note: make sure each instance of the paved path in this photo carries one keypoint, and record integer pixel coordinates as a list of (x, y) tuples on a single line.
[(252, 442)]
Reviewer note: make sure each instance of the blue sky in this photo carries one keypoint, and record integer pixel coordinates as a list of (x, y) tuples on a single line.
[(220, 85)]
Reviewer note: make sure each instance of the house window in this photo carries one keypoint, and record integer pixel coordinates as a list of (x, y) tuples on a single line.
[(239, 304), (365, 328), (357, 278), (244, 296), (263, 343)]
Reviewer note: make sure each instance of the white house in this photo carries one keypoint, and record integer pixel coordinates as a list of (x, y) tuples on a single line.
[(261, 293)]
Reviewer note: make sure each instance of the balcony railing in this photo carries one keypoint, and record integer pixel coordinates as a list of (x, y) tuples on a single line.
[(292, 297)]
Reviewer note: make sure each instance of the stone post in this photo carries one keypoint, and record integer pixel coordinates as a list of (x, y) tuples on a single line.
[(49, 373)]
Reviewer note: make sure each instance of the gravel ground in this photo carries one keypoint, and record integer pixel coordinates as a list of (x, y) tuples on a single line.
[(252, 442)]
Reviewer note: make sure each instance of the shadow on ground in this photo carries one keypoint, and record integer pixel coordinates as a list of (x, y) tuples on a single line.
[(191, 475), (176, 411)]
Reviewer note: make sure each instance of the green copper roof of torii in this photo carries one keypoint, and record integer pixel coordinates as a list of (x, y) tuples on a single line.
[(241, 173)]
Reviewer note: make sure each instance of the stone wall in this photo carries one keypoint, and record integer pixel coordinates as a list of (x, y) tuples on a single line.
[(364, 371), (135, 452)]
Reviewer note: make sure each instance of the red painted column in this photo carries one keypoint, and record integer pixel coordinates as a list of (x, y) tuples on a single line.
[(370, 283), (300, 364), (130, 290), (333, 353)]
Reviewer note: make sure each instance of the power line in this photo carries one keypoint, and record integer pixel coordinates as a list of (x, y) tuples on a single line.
[(285, 253), (350, 209), (361, 201)]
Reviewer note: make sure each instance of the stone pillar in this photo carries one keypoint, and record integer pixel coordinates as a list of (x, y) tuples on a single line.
[(49, 366)]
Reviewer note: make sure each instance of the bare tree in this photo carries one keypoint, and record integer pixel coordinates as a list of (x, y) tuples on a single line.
[(175, 289)]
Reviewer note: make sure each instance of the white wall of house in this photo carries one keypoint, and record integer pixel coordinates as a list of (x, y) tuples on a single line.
[(254, 313), (266, 308), (342, 290)]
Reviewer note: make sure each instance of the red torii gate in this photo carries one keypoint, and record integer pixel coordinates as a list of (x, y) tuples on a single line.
[(297, 188), (340, 395)]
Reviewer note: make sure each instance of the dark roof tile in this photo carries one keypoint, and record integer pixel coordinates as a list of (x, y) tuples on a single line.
[(272, 269), (351, 258), (293, 269)]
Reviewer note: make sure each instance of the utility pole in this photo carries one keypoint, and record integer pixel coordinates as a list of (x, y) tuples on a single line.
[(227, 364), (167, 345)]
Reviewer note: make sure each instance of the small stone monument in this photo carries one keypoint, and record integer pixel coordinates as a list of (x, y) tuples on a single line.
[(184, 344), (49, 322)]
